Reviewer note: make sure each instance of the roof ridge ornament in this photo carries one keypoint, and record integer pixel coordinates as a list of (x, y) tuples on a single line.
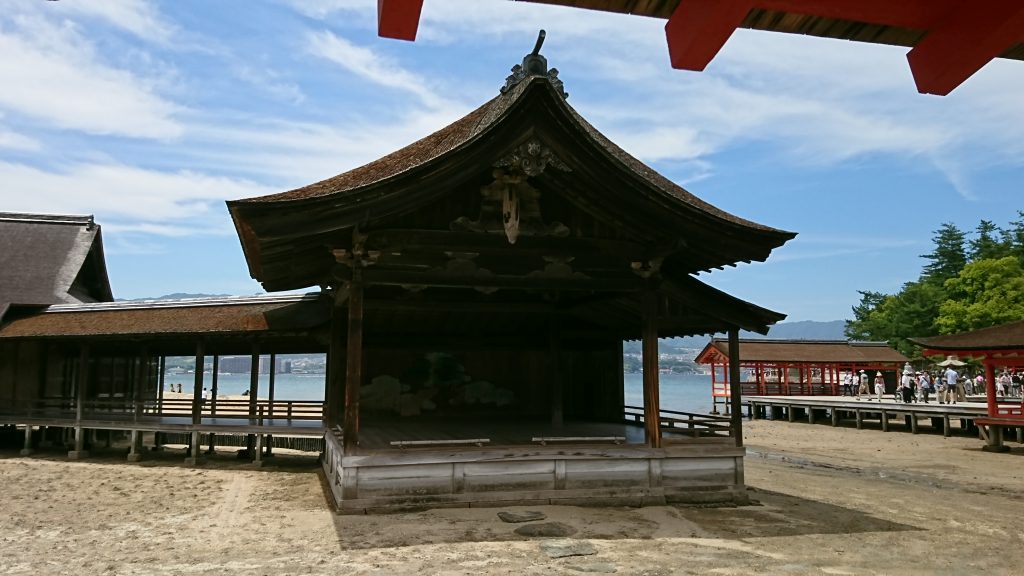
[(535, 65)]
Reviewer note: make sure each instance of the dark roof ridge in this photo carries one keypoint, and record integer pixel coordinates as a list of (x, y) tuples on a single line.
[(183, 303), (81, 220)]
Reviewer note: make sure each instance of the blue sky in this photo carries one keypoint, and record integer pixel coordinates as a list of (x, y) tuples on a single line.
[(151, 114)]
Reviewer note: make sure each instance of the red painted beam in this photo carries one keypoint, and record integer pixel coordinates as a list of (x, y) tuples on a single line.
[(970, 37), (698, 29), (399, 19), (920, 14)]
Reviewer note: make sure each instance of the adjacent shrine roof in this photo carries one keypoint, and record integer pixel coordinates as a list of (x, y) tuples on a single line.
[(1003, 337), (802, 352), (198, 316), (47, 259)]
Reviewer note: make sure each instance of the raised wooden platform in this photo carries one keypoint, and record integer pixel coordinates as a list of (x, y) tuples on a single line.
[(839, 408), (579, 463)]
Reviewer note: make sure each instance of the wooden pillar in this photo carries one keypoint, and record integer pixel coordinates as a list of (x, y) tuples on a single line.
[(27, 450), (82, 383), (213, 385), (714, 399), (161, 382), (990, 388), (734, 385), (270, 398), (197, 385), (254, 388), (649, 348), (555, 373), (134, 449), (334, 395), (353, 362), (160, 379)]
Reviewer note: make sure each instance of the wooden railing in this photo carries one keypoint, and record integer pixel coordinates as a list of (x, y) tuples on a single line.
[(692, 424), (119, 408)]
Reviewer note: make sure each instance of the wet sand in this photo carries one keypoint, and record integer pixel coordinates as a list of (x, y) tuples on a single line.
[(830, 501)]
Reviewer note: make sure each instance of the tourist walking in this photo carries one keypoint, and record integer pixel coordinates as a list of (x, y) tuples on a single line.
[(924, 386), (907, 384), (949, 395), (879, 385), (862, 386), (1002, 383), (848, 384)]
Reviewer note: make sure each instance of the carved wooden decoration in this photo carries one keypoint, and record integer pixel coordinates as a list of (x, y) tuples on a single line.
[(510, 204)]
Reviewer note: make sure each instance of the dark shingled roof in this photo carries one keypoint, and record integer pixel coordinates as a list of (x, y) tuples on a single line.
[(806, 351), (172, 317), (466, 129), (51, 260), (1002, 337)]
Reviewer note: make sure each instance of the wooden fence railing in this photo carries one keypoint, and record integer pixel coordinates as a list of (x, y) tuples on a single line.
[(692, 424)]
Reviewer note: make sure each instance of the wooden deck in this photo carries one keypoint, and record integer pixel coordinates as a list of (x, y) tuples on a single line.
[(837, 409)]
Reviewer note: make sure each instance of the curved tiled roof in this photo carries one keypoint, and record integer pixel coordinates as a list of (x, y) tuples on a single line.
[(170, 317), (465, 130), (807, 351), (1002, 337)]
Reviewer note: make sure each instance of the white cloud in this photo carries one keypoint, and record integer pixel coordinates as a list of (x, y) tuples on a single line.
[(15, 141), (163, 203), (139, 17), (61, 81), (369, 65)]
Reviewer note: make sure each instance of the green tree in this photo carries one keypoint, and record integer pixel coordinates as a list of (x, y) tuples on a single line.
[(948, 258), (865, 324), (985, 293), (990, 242), (1014, 237)]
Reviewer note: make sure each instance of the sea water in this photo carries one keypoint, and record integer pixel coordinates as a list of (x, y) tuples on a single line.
[(681, 392)]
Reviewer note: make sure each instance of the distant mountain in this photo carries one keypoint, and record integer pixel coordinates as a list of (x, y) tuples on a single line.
[(803, 330), (176, 296)]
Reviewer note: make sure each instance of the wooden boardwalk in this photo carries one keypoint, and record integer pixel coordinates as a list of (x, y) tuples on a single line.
[(837, 409)]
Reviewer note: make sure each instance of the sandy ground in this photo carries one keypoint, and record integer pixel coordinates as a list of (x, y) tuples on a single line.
[(831, 501)]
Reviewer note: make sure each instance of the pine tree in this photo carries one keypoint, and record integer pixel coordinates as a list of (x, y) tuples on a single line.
[(991, 242), (948, 258)]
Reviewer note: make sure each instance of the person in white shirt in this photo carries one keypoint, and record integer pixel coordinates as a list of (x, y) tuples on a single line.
[(951, 377)]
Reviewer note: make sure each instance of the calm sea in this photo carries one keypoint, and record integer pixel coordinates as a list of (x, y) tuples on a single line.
[(683, 392)]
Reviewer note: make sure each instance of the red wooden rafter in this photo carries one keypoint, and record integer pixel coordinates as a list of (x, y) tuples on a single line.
[(398, 19), (962, 35)]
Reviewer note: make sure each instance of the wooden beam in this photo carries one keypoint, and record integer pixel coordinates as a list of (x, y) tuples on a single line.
[(381, 277), (735, 388), (698, 29), (919, 14), (353, 362), (969, 37), (197, 389), (398, 19), (397, 239), (335, 394), (649, 349)]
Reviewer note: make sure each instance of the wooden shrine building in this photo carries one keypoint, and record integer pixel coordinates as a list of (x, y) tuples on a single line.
[(997, 348), (481, 282), (797, 367)]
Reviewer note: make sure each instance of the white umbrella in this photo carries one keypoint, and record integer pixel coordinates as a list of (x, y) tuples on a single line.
[(951, 361)]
